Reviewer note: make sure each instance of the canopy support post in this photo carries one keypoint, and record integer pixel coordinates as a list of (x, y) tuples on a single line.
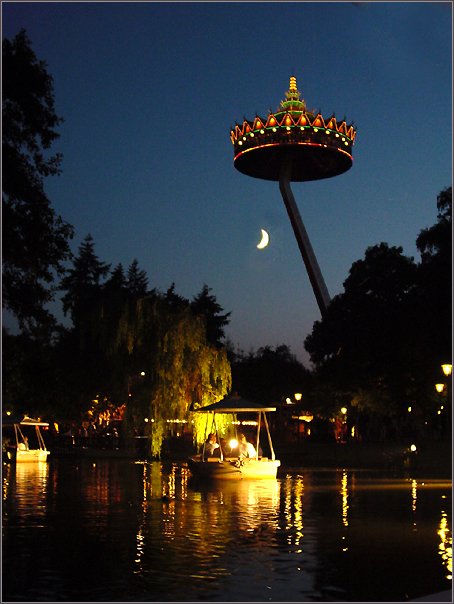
[(302, 238), (258, 437), (273, 457)]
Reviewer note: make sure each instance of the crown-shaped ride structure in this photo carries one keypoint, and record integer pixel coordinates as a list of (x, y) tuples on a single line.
[(294, 145), (318, 147)]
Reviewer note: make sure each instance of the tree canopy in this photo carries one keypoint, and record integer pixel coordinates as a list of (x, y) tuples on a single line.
[(269, 375), (205, 304), (383, 339), (35, 240), (137, 347)]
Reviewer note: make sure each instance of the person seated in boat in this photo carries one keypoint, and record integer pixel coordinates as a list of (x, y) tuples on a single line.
[(26, 445), (245, 448), (211, 447)]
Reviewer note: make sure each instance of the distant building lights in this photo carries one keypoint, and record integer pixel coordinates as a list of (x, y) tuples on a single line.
[(315, 129), (274, 129)]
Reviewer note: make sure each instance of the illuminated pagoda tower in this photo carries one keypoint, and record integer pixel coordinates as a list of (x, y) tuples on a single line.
[(295, 145)]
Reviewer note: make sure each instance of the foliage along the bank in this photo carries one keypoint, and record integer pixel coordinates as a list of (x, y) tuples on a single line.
[(383, 340)]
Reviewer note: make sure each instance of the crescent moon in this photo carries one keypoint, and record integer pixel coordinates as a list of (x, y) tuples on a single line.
[(265, 240)]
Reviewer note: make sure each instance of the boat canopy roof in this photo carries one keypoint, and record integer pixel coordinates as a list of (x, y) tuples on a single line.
[(234, 404), (23, 420)]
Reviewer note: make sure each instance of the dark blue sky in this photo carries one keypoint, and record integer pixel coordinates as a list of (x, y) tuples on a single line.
[(149, 92)]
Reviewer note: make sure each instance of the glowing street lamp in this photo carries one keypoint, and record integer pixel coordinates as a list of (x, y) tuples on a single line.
[(439, 387), (447, 369)]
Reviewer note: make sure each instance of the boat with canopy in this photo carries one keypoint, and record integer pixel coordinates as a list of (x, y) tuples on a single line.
[(240, 466), (21, 451)]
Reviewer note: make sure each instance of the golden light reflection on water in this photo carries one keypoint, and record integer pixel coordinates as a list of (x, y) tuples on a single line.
[(344, 493), (31, 488), (414, 495), (298, 518), (6, 480), (173, 530), (445, 546)]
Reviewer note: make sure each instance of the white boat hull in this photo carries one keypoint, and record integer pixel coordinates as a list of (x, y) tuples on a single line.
[(32, 455), (233, 468)]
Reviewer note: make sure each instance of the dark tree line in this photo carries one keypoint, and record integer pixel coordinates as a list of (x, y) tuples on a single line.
[(153, 354), (269, 375), (383, 340)]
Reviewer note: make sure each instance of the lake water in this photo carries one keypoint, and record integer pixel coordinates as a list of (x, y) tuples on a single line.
[(107, 530)]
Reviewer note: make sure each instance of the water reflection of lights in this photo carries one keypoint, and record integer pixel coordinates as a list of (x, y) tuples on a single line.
[(445, 546), (414, 495), (31, 488), (294, 488), (344, 493), (171, 483), (299, 492), (6, 480), (140, 548)]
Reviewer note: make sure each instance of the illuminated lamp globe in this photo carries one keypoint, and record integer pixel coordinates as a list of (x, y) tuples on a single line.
[(439, 387), (447, 369)]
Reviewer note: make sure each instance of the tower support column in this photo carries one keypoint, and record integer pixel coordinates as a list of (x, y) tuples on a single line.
[(310, 261)]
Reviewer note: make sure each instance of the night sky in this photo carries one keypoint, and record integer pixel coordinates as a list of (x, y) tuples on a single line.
[(149, 93)]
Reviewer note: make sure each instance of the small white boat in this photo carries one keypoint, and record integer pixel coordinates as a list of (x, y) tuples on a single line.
[(21, 452), (238, 467)]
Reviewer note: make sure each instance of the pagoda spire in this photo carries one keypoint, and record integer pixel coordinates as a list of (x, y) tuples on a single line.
[(292, 98)]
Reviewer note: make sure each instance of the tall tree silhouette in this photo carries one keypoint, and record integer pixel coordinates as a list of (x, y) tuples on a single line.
[(83, 282), (35, 240), (205, 304), (137, 281)]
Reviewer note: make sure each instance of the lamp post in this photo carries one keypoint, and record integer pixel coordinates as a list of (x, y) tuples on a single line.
[(445, 390)]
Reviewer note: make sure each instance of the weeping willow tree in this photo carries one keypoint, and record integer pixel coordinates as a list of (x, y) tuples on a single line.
[(170, 365)]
